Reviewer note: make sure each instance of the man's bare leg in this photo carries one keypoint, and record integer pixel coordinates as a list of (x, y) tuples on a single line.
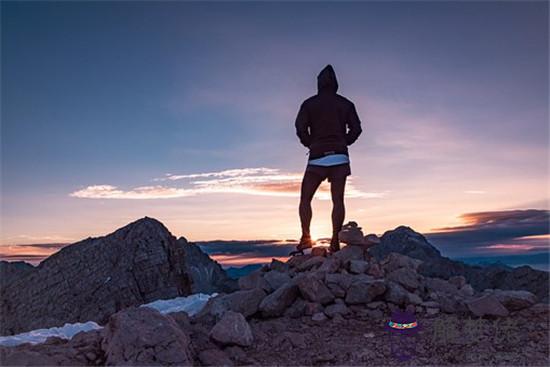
[(337, 187), (310, 183)]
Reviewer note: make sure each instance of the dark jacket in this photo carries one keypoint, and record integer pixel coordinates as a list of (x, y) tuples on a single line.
[(323, 118)]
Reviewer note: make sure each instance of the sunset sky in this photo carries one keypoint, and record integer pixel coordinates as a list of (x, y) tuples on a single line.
[(185, 112)]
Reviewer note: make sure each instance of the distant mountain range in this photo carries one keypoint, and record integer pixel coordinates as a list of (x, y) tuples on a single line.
[(540, 260)]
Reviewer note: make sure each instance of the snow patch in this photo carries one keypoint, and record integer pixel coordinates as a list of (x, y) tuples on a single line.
[(66, 331), (191, 304)]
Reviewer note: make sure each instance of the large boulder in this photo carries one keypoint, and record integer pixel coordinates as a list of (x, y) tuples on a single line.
[(232, 329), (407, 277), (513, 300), (364, 291), (487, 305), (275, 304), (394, 261), (276, 279), (245, 302), (314, 290), (144, 336)]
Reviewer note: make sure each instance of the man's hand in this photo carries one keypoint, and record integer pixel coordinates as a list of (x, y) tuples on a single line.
[(354, 125), (302, 126)]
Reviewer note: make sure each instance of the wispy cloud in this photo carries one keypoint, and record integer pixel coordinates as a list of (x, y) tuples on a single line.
[(496, 231), (251, 181)]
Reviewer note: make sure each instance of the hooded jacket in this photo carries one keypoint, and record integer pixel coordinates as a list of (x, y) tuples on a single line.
[(323, 119)]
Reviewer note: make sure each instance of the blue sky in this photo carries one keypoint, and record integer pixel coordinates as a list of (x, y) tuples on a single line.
[(109, 107)]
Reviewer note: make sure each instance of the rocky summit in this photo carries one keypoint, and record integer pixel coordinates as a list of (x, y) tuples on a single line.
[(92, 279), (320, 309)]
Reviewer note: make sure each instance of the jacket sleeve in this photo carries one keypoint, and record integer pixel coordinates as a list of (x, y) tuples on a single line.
[(302, 125), (354, 125)]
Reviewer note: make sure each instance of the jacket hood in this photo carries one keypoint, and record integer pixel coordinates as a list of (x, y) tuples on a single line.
[(326, 80)]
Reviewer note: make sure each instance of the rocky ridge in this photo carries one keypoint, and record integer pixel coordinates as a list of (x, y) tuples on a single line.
[(92, 279)]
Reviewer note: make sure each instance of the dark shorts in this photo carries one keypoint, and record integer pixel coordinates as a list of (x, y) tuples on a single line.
[(330, 172)]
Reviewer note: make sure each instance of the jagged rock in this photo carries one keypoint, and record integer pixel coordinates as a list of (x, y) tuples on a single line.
[(513, 300), (349, 253), (336, 290), (319, 251), (432, 311), (275, 304), (214, 357), (279, 266), (458, 281), (407, 277), (254, 280), (11, 271), (430, 304), (330, 265), (376, 305), (364, 291), (375, 270), (342, 280), (487, 305), (144, 336), (372, 239), (394, 261), (337, 308), (96, 277), (297, 309), (358, 266), (313, 262), (276, 279), (466, 291), (314, 290), (414, 299), (351, 234), (245, 302), (440, 285), (296, 261), (395, 293), (232, 329)]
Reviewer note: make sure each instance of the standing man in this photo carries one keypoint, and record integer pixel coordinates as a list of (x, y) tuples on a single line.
[(321, 126)]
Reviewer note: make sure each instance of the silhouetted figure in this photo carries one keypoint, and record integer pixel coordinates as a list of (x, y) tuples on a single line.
[(322, 126)]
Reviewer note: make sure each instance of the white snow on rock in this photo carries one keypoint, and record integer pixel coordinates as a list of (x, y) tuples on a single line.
[(191, 304), (66, 331)]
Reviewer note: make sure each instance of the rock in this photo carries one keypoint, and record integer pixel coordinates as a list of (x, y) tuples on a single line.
[(296, 261), (276, 279), (246, 302), (336, 290), (487, 305), (337, 308), (430, 304), (319, 317), (440, 285), (279, 266), (395, 261), (313, 262), (514, 300), (458, 281), (414, 299), (342, 280), (319, 251), (311, 308), (466, 291), (254, 280), (372, 239), (407, 242), (407, 277), (232, 329), (376, 305), (351, 234), (375, 270), (358, 266), (330, 265), (214, 357), (297, 309), (396, 294), (364, 291), (275, 304), (144, 336), (315, 290), (349, 253)]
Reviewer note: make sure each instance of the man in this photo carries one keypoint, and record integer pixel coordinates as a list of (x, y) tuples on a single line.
[(321, 126)]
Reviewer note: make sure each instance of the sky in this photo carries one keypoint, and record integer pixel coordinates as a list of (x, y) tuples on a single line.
[(184, 111)]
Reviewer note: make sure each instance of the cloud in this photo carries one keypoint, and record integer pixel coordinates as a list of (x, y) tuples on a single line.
[(251, 181), (494, 231)]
